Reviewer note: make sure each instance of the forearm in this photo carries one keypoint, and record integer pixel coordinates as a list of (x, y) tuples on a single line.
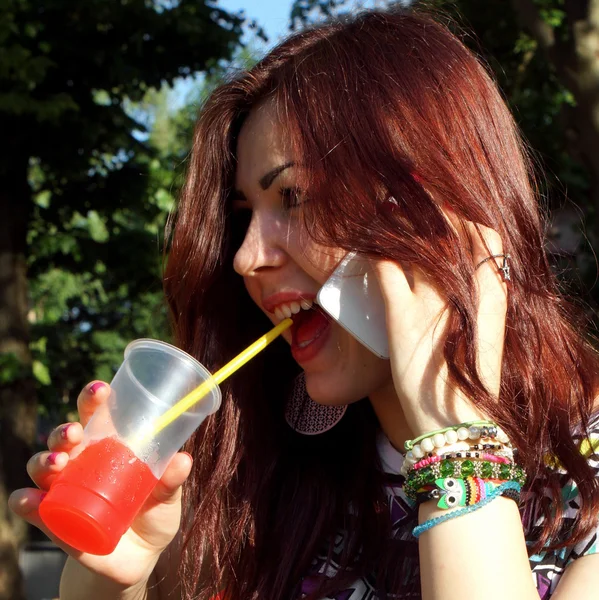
[(481, 554), (79, 583)]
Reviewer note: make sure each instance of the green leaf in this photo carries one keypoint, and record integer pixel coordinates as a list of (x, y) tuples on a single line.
[(41, 373), (97, 227), (11, 368)]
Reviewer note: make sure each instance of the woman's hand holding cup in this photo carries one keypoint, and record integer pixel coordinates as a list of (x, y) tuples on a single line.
[(135, 556)]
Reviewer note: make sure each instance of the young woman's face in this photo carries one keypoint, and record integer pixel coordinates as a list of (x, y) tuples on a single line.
[(283, 269)]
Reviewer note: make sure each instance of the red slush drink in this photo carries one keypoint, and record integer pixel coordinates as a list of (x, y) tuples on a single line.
[(93, 502)]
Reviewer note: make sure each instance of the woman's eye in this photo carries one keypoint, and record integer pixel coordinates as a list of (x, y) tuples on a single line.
[(291, 198)]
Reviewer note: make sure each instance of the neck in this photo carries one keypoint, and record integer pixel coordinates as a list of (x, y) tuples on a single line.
[(391, 417)]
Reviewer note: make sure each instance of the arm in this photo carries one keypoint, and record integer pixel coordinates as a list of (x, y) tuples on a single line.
[(78, 582), (580, 579), (482, 551)]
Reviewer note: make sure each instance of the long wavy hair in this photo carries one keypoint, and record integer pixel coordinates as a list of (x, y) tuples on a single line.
[(383, 104)]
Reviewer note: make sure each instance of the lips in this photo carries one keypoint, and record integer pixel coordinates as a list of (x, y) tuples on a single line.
[(311, 326), (270, 303)]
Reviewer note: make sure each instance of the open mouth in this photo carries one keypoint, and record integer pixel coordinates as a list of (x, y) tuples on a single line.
[(311, 326), (309, 333)]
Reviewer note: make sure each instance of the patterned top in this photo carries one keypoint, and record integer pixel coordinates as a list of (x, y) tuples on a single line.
[(546, 567)]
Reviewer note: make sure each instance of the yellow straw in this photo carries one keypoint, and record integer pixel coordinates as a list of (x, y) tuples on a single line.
[(204, 388)]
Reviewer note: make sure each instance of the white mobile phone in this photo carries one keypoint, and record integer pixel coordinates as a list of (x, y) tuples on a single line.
[(352, 296)]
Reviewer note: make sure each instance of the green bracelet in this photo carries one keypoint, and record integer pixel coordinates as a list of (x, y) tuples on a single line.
[(484, 469)]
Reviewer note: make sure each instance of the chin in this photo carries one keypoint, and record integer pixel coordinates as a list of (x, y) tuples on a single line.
[(334, 391)]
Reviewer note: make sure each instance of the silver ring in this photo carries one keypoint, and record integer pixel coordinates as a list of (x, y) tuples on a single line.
[(504, 268)]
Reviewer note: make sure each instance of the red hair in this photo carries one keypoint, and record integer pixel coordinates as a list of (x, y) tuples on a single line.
[(367, 103)]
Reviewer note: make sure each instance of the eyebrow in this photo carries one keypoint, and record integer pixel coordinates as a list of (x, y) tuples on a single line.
[(266, 181)]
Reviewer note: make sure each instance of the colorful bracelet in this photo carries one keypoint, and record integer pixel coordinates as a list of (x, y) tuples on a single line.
[(431, 460), (451, 493), (460, 470), (435, 494), (458, 450), (454, 514)]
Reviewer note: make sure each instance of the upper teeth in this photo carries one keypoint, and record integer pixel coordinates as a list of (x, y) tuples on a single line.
[(284, 311)]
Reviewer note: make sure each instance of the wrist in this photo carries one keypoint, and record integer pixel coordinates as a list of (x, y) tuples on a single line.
[(78, 582)]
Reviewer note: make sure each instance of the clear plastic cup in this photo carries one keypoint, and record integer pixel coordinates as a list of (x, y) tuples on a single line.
[(94, 500)]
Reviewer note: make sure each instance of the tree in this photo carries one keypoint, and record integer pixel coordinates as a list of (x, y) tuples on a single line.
[(566, 32), (79, 189)]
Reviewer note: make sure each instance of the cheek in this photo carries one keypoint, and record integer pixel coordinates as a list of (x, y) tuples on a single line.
[(314, 259), (352, 372)]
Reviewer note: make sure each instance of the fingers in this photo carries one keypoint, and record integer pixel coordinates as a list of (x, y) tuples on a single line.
[(43, 467), (65, 437), (25, 503), (168, 489), (392, 279), (91, 396), (486, 242)]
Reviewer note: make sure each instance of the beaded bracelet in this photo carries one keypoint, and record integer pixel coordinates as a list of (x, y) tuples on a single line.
[(431, 460), (429, 493), (435, 494), (440, 440), (459, 470), (454, 514), (451, 493), (472, 429), (458, 450)]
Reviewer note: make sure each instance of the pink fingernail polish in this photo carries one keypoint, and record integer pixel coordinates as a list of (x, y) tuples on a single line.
[(43, 495), (96, 386), (51, 459), (64, 433)]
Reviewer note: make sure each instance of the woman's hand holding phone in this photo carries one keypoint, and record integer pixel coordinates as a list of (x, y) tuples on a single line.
[(133, 560), (416, 321)]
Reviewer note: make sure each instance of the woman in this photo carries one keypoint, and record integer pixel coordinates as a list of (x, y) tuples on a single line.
[(382, 135)]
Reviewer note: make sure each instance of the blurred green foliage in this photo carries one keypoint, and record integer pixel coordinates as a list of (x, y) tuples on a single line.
[(83, 320), (80, 114)]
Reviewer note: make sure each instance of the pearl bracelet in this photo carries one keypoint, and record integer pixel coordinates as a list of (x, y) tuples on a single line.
[(446, 437), (409, 444)]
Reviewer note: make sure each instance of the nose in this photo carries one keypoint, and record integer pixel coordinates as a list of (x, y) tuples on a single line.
[(262, 248)]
